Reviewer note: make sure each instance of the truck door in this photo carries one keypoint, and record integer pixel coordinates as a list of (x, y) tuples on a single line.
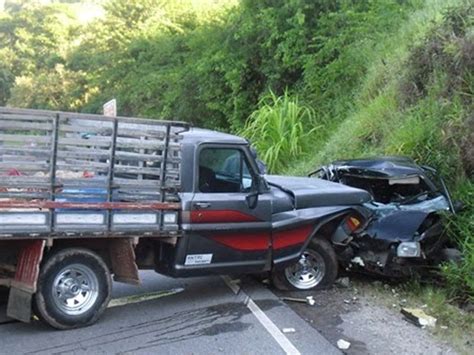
[(229, 233)]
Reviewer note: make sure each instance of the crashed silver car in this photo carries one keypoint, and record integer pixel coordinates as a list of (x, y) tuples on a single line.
[(401, 230)]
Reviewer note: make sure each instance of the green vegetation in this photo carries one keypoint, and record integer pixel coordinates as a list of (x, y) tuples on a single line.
[(419, 103), (278, 129), (207, 62), (341, 78)]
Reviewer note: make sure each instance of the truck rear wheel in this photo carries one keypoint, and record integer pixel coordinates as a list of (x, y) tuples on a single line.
[(316, 269), (74, 289)]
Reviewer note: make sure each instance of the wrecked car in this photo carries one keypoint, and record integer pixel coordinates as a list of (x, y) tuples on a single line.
[(400, 231)]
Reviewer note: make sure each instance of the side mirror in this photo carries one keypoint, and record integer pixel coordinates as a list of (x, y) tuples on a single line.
[(252, 199), (260, 188)]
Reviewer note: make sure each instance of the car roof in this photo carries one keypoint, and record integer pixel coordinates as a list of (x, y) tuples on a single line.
[(199, 135), (382, 167)]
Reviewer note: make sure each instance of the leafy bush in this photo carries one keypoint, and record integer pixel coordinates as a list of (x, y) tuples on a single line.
[(208, 62), (279, 130)]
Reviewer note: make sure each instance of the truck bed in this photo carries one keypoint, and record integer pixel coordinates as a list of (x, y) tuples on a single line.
[(67, 173)]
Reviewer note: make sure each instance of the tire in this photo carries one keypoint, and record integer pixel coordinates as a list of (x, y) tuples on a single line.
[(74, 288), (320, 262)]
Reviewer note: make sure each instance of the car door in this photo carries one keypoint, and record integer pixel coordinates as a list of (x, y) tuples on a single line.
[(230, 232)]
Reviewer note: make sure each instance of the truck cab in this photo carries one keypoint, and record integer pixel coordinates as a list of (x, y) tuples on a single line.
[(236, 220)]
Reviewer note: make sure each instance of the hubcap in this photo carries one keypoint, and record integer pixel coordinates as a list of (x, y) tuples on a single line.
[(75, 289), (308, 272)]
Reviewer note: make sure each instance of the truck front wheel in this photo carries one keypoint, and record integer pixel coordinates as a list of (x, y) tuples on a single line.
[(74, 289), (316, 269)]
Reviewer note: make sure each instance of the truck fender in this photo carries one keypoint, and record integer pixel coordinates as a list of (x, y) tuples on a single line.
[(320, 218), (323, 222), (25, 281)]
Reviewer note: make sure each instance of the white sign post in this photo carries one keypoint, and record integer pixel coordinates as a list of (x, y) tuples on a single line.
[(110, 108)]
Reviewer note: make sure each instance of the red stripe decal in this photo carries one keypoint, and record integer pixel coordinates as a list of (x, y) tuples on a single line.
[(291, 237), (221, 216), (247, 241)]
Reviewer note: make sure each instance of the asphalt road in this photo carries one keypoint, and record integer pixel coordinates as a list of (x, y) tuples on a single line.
[(187, 316)]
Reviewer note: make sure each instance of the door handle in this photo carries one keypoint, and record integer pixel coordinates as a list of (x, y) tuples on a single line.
[(202, 205)]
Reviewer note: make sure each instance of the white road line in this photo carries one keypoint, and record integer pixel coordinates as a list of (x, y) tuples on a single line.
[(266, 322)]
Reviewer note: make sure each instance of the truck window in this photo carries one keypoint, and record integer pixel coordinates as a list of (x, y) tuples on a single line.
[(223, 170)]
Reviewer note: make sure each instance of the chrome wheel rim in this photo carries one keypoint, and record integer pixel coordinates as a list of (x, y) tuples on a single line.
[(75, 289), (308, 272)]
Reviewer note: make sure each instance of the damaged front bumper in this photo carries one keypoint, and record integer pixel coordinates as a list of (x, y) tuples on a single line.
[(395, 240)]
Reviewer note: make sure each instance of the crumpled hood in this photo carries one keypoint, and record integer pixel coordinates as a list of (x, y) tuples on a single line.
[(313, 192)]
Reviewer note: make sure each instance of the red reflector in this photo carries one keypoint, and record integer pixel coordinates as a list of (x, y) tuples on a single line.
[(353, 223)]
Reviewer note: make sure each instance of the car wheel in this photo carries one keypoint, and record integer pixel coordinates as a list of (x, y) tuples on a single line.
[(74, 289), (316, 269)]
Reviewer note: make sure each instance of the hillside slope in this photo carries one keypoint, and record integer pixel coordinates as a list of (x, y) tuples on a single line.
[(417, 101)]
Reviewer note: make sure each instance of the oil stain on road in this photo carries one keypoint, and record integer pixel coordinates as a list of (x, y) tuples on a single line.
[(177, 327)]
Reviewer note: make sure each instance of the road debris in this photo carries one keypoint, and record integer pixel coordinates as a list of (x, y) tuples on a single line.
[(288, 330), (343, 344), (117, 302), (343, 282), (358, 261), (419, 317), (308, 300)]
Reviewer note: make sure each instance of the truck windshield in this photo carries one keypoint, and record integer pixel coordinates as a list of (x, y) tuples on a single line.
[(223, 170)]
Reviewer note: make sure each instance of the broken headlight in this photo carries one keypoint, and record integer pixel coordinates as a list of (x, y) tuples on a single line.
[(409, 250)]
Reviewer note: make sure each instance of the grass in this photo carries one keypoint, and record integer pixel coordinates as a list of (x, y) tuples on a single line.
[(279, 130), (461, 227)]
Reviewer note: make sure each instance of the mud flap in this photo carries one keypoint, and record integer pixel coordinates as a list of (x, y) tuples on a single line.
[(24, 284), (122, 255)]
